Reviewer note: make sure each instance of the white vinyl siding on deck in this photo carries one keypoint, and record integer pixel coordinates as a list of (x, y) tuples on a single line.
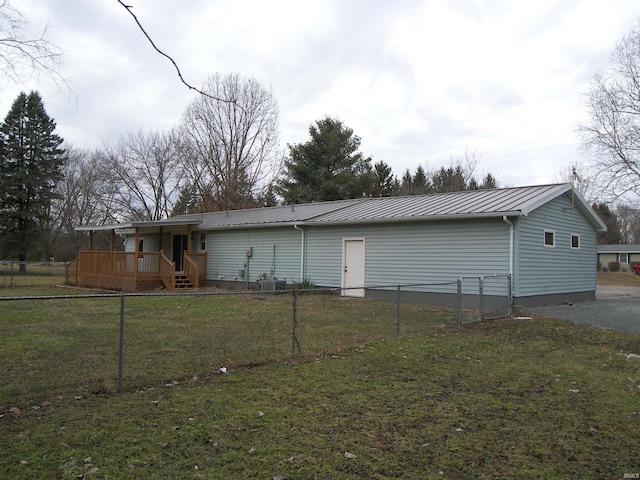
[(150, 242), (541, 270)]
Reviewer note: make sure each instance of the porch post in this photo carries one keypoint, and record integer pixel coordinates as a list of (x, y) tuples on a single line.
[(160, 249), (113, 253), (188, 249), (135, 260)]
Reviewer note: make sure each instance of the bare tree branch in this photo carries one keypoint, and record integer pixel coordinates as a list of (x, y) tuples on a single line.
[(611, 134), (231, 147), (189, 86), (22, 56)]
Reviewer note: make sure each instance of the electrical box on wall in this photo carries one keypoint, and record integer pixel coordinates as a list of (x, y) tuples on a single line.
[(249, 252)]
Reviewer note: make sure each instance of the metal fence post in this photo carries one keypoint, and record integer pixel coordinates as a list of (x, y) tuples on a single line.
[(398, 311), (459, 306), (121, 350), (481, 293), (294, 323), (510, 286)]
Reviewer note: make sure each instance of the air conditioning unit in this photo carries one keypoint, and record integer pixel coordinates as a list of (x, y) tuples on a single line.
[(269, 285)]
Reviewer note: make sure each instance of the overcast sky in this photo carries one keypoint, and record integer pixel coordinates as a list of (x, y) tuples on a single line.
[(419, 81)]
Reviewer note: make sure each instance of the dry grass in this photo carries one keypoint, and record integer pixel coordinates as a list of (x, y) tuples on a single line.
[(500, 399), (620, 279)]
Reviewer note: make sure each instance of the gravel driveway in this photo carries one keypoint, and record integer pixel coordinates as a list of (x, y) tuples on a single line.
[(615, 308)]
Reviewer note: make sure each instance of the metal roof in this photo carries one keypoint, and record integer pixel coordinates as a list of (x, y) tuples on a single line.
[(468, 203), (514, 201), (288, 214)]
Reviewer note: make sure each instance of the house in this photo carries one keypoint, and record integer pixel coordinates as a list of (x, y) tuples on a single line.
[(624, 255), (544, 237)]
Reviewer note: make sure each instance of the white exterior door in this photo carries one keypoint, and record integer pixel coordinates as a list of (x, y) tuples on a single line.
[(353, 267)]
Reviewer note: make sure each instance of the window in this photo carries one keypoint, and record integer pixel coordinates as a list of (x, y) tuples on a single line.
[(575, 241), (203, 242), (141, 245), (623, 258), (549, 238)]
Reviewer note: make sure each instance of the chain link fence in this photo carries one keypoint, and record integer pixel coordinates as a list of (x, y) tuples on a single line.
[(85, 344), (24, 274)]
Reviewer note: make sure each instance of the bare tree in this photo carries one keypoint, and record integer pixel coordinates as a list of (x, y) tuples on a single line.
[(611, 134), (231, 144), (581, 179), (22, 56), (83, 192), (629, 220), (145, 174)]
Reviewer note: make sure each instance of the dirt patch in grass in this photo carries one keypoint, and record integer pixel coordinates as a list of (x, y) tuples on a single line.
[(621, 279)]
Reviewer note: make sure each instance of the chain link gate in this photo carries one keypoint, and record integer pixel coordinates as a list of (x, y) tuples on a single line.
[(493, 297)]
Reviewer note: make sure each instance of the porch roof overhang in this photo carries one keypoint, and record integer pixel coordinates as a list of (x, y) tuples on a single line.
[(123, 227)]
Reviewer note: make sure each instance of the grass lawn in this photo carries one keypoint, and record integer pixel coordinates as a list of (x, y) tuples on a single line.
[(508, 398)]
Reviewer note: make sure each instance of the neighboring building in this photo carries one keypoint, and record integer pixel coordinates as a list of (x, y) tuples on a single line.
[(544, 236), (624, 255)]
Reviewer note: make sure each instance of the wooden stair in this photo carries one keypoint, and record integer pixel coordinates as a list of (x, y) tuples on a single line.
[(182, 282)]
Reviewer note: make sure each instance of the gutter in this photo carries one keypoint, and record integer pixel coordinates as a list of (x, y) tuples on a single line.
[(508, 222), (364, 221), (302, 247)]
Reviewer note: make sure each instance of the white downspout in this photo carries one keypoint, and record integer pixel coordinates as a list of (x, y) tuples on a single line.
[(302, 247), (508, 222)]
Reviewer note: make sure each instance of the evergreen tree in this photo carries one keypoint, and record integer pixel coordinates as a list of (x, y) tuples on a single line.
[(610, 219), (327, 167), (406, 185), (385, 184), (451, 179), (421, 183), (187, 201), (489, 182), (31, 164)]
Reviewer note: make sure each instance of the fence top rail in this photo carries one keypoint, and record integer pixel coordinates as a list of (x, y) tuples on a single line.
[(207, 293), (482, 277)]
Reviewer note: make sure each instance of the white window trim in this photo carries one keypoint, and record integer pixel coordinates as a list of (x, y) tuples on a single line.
[(626, 258), (571, 241), (544, 238)]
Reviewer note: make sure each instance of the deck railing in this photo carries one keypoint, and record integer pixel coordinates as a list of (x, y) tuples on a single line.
[(190, 270), (133, 271), (195, 267), (128, 271), (167, 270)]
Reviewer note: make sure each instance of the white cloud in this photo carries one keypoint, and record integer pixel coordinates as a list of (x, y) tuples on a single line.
[(418, 81)]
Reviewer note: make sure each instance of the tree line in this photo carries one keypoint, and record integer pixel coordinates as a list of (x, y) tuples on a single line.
[(223, 155)]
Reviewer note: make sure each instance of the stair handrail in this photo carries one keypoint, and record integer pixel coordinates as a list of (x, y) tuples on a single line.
[(190, 268), (167, 272)]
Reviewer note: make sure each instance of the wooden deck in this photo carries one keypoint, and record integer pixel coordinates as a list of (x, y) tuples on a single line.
[(135, 271)]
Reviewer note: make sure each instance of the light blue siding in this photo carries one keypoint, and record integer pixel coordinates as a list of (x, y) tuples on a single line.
[(407, 253), (544, 270), (226, 253)]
